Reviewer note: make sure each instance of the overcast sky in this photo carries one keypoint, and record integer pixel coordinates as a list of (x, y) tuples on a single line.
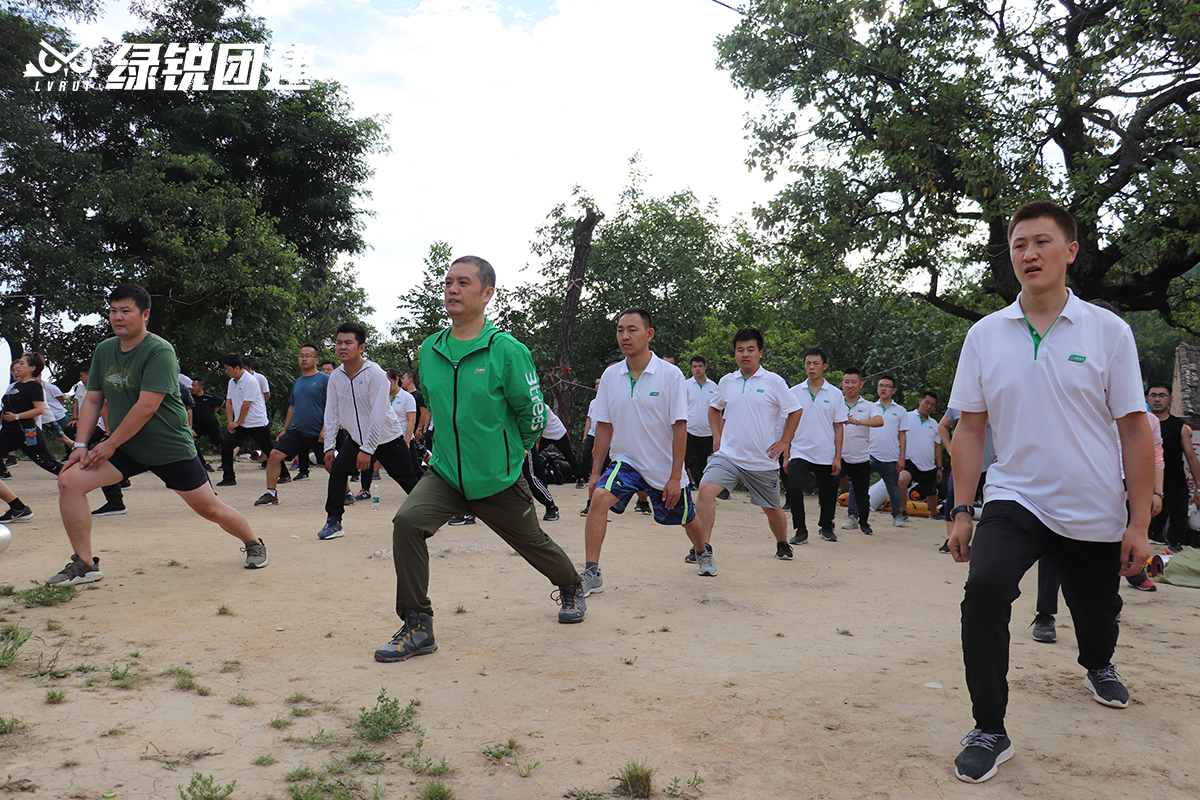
[(497, 109)]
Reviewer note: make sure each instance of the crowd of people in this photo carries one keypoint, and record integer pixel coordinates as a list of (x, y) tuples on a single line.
[(1047, 421)]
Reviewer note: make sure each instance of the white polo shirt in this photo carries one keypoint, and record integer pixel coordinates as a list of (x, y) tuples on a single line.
[(248, 388), (263, 383), (752, 407), (856, 440), (404, 403), (591, 431), (885, 441), (642, 413), (1052, 406), (699, 395), (555, 429), (922, 436), (813, 441)]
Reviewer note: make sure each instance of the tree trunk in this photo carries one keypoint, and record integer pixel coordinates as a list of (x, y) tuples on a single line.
[(561, 380)]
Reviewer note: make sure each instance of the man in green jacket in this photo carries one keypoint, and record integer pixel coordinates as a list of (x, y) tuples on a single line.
[(483, 390)]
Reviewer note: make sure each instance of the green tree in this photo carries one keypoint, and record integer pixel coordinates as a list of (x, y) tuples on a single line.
[(909, 132)]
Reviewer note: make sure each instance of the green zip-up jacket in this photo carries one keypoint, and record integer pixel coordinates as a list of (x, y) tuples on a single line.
[(487, 410)]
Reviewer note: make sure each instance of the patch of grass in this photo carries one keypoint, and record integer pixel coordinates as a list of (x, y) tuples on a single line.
[(174, 563), (9, 724), (300, 711), (432, 769), (280, 722), (225, 611), (203, 691), (329, 635), (7, 589), (298, 697), (176, 672), (10, 645), (231, 666), (123, 678), (85, 667), (635, 779), (583, 794), (300, 773), (205, 787), (55, 696), (240, 699), (629, 661), (53, 625), (460, 609), (525, 770), (844, 632), (502, 751), (665, 628), (364, 755), (44, 595), (70, 762), (386, 719), (704, 600), (136, 654), (115, 731), (336, 766), (435, 790), (265, 761)]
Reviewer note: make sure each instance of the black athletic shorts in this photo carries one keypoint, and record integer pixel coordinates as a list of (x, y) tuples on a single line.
[(182, 476), (292, 442), (924, 480)]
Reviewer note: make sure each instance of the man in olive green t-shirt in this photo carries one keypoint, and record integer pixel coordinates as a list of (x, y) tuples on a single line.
[(136, 372)]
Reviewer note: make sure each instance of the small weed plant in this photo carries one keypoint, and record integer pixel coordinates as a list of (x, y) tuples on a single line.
[(435, 790), (9, 724), (240, 699), (265, 761), (205, 787), (386, 719), (635, 779), (13, 640), (43, 595), (55, 696), (431, 768)]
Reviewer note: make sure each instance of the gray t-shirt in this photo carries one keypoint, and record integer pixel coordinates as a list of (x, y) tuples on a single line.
[(989, 449)]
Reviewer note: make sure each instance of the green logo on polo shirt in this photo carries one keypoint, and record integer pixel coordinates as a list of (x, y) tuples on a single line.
[(1077, 359), (654, 394), (760, 390)]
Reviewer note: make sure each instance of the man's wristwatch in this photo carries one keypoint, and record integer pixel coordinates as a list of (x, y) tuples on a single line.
[(79, 445), (954, 512)]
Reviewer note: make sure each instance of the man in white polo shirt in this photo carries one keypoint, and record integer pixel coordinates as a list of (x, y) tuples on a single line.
[(1058, 380), (700, 391), (923, 467), (887, 451), (245, 415), (861, 416), (744, 445), (641, 414), (816, 447)]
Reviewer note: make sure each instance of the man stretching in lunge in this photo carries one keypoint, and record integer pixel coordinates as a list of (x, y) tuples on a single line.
[(302, 426), (483, 390), (641, 408), (138, 374), (744, 444)]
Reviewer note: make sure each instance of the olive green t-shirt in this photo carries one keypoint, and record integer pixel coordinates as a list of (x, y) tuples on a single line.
[(150, 367)]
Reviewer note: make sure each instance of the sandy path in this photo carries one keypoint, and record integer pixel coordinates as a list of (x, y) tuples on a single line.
[(743, 679)]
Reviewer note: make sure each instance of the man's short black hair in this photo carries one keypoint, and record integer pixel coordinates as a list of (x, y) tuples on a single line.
[(641, 312), (315, 349), (699, 359), (1160, 385), (199, 381), (748, 335), (487, 275), (929, 393), (816, 351), (234, 360), (131, 291), (410, 374), (853, 371), (360, 333), (328, 361), (890, 378)]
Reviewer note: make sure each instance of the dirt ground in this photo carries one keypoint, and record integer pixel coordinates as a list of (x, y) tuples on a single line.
[(837, 675)]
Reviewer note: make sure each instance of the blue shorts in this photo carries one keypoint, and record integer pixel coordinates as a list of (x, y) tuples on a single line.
[(623, 481)]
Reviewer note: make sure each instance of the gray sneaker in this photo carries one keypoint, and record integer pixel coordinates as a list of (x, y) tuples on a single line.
[(77, 571), (850, 524), (1106, 687), (256, 554), (593, 581), (1043, 629), (706, 566), (899, 522)]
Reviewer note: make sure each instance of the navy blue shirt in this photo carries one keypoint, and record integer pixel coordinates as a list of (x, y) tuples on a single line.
[(308, 404)]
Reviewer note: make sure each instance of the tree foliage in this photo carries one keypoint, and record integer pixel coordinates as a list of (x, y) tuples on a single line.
[(910, 131)]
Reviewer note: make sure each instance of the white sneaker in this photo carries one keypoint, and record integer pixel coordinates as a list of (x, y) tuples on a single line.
[(899, 522), (850, 524)]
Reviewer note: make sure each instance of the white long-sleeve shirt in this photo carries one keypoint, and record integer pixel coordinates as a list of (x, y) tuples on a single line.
[(362, 406)]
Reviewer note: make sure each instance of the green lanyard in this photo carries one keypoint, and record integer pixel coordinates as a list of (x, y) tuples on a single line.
[(1037, 337)]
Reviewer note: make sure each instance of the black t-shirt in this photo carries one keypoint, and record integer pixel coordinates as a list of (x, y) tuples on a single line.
[(416, 393), (206, 407), (20, 398)]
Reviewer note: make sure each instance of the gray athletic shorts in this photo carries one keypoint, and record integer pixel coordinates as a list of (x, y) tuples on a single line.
[(763, 485)]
